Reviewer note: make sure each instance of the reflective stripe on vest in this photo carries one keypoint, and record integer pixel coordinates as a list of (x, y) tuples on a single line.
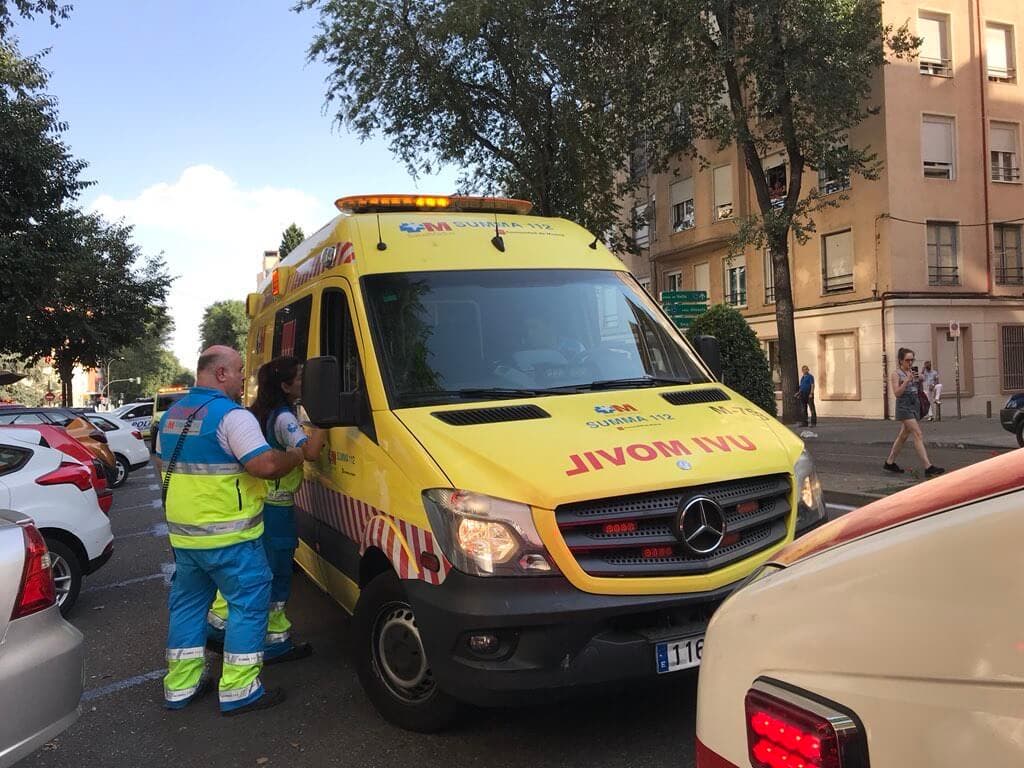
[(211, 502)]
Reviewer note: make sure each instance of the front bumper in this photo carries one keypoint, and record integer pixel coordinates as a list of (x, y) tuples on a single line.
[(1008, 419), (44, 655), (551, 635)]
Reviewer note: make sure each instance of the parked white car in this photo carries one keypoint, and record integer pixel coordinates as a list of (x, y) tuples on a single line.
[(139, 415), (57, 492), (125, 442)]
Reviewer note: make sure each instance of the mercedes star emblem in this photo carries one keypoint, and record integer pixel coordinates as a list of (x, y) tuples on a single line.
[(701, 525)]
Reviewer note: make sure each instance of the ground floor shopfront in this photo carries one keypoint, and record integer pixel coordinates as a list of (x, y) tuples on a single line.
[(850, 349)]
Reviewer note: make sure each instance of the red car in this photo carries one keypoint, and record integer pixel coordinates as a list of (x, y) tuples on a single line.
[(59, 439)]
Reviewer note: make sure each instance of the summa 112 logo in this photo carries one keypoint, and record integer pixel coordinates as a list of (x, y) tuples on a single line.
[(624, 408)]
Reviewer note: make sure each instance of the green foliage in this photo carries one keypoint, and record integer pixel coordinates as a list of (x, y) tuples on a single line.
[(519, 92), (290, 238), (744, 365), (224, 322), (28, 9)]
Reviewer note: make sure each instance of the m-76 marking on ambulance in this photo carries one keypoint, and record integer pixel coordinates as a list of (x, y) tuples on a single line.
[(621, 455)]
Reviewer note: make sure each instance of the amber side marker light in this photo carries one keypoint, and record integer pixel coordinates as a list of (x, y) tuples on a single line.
[(791, 729)]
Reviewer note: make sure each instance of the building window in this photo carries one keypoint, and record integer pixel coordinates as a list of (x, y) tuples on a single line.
[(638, 163), (1003, 152), (769, 278), (943, 253), (645, 283), (841, 370), (775, 176), (831, 180), (674, 281), (934, 58), (1013, 357), (837, 262), (683, 212), (723, 192), (771, 351), (702, 278), (1009, 268), (937, 148), (735, 281), (999, 53), (643, 217)]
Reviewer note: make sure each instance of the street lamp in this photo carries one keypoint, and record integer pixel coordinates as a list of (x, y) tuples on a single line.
[(106, 387)]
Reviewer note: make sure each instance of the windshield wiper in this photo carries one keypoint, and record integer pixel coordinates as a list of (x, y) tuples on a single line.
[(644, 381)]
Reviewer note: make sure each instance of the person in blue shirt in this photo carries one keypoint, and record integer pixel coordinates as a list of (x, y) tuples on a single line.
[(806, 397)]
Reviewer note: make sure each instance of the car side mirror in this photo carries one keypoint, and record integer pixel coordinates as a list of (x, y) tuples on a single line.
[(711, 354), (325, 403)]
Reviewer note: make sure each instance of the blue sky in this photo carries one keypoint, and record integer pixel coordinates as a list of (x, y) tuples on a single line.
[(204, 126)]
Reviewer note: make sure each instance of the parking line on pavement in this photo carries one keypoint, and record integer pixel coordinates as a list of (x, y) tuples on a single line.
[(166, 572), (156, 529), (151, 505), (120, 685), (154, 487)]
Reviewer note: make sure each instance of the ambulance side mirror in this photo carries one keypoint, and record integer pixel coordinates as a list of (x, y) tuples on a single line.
[(711, 354), (325, 403)]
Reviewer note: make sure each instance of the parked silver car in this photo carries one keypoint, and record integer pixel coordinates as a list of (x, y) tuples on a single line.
[(41, 655)]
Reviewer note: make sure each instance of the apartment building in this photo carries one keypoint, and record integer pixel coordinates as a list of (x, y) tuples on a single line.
[(937, 238)]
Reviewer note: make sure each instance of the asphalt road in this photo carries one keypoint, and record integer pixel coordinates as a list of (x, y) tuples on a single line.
[(326, 720)]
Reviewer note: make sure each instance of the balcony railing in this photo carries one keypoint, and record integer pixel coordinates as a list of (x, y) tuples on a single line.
[(935, 169), (769, 294), (831, 186), (737, 299), (683, 224), (936, 67), (838, 283), (1005, 173), (1002, 74), (943, 275), (1009, 275)]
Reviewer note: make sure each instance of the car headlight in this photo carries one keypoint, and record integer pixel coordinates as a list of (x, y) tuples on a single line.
[(810, 502), (484, 536)]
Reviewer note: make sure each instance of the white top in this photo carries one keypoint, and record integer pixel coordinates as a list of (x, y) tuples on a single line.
[(239, 434), (288, 431)]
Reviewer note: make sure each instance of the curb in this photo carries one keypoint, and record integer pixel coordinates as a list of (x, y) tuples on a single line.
[(846, 498)]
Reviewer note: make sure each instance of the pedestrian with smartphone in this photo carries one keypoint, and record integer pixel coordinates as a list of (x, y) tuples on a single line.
[(805, 394), (906, 385)]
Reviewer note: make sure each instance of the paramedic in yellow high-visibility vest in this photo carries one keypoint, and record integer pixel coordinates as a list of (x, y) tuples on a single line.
[(215, 463), (280, 386)]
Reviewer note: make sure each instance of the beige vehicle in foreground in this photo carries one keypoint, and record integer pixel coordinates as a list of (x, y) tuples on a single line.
[(893, 636)]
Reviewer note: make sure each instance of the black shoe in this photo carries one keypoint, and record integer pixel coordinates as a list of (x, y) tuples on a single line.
[(269, 699), (933, 471), (215, 646), (894, 467), (296, 652)]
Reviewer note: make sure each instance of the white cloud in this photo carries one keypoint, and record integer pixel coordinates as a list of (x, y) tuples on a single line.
[(213, 233)]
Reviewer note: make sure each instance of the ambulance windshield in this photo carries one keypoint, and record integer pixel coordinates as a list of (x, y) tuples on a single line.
[(485, 334)]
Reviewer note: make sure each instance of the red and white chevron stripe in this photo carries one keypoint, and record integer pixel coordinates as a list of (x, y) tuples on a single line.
[(371, 527)]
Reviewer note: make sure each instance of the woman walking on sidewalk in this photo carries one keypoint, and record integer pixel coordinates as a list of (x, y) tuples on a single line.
[(905, 384)]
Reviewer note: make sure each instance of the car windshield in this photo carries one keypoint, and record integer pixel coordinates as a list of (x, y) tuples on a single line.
[(163, 402), (484, 334)]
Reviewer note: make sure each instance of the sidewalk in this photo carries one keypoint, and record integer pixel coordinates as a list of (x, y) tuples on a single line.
[(968, 432)]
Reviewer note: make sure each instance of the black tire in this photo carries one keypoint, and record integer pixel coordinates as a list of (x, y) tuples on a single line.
[(1020, 432), (121, 470), (383, 610), (67, 574)]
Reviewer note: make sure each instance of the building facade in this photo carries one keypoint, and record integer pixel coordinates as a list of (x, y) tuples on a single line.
[(937, 238)]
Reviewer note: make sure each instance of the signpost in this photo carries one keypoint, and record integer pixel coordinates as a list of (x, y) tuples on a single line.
[(683, 306), (49, 397), (954, 334)]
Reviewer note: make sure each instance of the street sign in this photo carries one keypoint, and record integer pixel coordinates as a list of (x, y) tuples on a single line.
[(684, 296), (954, 329), (683, 306), (49, 397)]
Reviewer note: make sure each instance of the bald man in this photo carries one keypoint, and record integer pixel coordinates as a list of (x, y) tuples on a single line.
[(215, 459)]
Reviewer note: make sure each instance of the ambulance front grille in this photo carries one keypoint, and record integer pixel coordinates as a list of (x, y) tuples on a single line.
[(631, 536)]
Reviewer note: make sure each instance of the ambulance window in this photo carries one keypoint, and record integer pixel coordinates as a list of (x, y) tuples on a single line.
[(338, 337), (291, 328)]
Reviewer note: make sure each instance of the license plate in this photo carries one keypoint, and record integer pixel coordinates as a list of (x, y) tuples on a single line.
[(678, 654)]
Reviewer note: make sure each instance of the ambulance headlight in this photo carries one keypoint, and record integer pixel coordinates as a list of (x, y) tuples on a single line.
[(810, 502), (484, 536)]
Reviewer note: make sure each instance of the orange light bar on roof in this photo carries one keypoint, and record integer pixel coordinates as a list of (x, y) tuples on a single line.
[(463, 203)]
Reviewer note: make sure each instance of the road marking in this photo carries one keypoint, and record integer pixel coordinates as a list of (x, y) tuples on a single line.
[(120, 685), (156, 529), (166, 572), (154, 487), (151, 505)]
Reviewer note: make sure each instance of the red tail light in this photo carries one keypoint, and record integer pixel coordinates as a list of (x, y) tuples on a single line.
[(136, 434), (786, 729), (37, 590), (69, 472)]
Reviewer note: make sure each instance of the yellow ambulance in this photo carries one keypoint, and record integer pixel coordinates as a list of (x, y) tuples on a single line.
[(533, 482)]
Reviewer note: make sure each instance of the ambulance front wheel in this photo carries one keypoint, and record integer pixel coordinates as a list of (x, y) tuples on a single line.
[(391, 662)]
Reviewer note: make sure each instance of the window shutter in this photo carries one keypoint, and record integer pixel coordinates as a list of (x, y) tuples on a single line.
[(995, 49), (839, 253), (937, 140), (723, 186), (931, 31), (682, 191), (1003, 138)]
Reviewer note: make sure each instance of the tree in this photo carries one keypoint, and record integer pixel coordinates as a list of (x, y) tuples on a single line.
[(765, 74), (95, 303), (518, 92), (290, 238), (224, 322), (744, 365), (29, 9)]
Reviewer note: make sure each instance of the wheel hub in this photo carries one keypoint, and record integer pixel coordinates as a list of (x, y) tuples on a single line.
[(399, 654), (61, 577)]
